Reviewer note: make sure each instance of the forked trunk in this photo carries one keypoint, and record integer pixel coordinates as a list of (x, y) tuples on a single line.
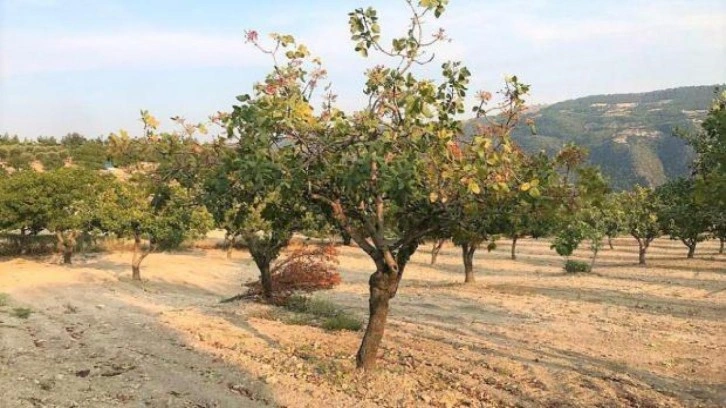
[(383, 286), (467, 254), (67, 243), (514, 247), (435, 250)]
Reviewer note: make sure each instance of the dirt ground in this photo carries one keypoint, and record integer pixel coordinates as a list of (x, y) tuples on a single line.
[(524, 335)]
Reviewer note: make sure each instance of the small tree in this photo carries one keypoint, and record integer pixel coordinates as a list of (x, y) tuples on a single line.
[(256, 191), (682, 216), (160, 203), (585, 219), (74, 200), (640, 217), (165, 216), (614, 217)]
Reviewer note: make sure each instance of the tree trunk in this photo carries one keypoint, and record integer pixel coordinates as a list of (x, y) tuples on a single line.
[(346, 237), (642, 248), (380, 295), (67, 242), (263, 264), (383, 286), (138, 256), (67, 256), (467, 254), (720, 248), (435, 250), (592, 263), (610, 242), (514, 247), (230, 246), (691, 250)]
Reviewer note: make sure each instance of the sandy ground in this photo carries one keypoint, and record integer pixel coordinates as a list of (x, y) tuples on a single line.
[(524, 335)]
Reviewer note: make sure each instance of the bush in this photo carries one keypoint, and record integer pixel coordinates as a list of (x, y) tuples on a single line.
[(576, 267), (305, 269), (22, 312), (4, 298)]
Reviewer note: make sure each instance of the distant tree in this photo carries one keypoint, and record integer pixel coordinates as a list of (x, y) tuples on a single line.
[(47, 141), (162, 203), (614, 217), (710, 165), (682, 216), (641, 208), (74, 198), (585, 218), (73, 140), (25, 203), (163, 215)]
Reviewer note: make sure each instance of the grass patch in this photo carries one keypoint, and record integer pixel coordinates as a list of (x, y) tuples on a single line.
[(342, 322), (22, 312), (577, 266), (320, 313), (299, 319), (4, 299)]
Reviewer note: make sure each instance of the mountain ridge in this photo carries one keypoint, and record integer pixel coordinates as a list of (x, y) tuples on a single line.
[(630, 136)]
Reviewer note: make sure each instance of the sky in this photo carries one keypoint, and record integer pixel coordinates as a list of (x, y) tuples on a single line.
[(89, 66)]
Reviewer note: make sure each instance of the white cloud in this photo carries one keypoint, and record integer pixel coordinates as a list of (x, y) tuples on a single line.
[(30, 53)]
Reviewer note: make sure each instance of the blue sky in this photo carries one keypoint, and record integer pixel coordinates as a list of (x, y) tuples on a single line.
[(90, 65)]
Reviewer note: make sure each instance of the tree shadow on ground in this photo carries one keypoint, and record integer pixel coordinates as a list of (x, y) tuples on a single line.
[(556, 359), (642, 302)]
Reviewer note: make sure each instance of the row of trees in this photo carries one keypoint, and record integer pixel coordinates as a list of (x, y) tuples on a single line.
[(388, 176)]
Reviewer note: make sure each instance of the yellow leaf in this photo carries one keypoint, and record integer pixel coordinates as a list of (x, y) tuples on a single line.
[(474, 187)]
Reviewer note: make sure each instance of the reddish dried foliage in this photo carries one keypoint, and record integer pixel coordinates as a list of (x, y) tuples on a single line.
[(306, 268)]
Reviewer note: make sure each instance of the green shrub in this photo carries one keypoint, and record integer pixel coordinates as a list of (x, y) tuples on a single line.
[(342, 322), (4, 298), (576, 267), (322, 308), (297, 303), (299, 319), (22, 312)]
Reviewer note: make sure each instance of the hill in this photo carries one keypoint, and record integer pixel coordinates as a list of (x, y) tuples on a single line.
[(629, 136)]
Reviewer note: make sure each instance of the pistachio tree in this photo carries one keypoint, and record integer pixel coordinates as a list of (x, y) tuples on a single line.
[(162, 215), (641, 207), (73, 196), (682, 215), (387, 173), (584, 218)]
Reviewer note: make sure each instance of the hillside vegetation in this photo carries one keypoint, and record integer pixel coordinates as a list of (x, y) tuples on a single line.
[(629, 136)]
